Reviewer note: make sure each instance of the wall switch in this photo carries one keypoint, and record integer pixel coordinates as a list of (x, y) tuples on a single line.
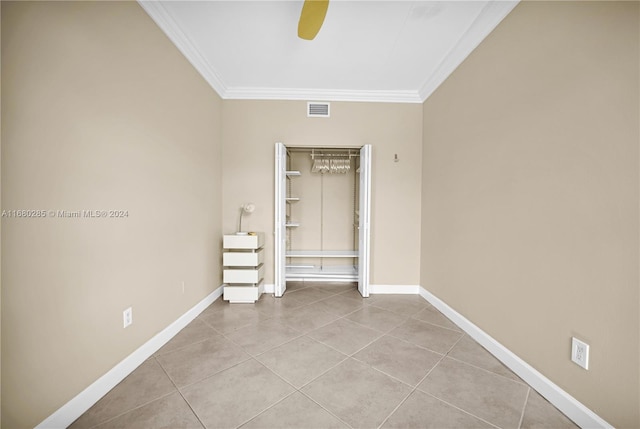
[(182, 286), (580, 352), (127, 317)]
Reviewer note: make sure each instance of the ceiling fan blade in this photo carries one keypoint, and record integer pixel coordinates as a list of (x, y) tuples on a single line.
[(311, 18)]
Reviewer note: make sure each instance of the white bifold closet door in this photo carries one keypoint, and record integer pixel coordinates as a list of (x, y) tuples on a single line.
[(280, 232), (364, 227)]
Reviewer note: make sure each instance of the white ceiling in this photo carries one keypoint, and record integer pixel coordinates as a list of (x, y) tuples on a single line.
[(394, 51)]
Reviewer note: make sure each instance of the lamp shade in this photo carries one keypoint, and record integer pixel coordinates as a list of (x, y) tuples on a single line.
[(245, 208)]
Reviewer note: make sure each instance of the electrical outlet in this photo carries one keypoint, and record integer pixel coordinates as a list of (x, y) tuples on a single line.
[(127, 316), (580, 353)]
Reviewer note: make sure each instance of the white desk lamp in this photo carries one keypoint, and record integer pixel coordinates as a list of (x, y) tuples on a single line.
[(245, 208)]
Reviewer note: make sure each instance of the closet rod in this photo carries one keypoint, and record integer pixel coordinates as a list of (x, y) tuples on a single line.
[(335, 151), (334, 154)]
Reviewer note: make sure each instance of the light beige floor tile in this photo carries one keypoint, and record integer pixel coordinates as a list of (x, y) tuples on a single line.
[(301, 360), (236, 395), (373, 297), (540, 414), (309, 283), (308, 295), (431, 315), (405, 305), (377, 318), (198, 361), (355, 294), (307, 318), (399, 359), (232, 396), (422, 411), (258, 339), (336, 287), (340, 305), (291, 286), (357, 394), (333, 284), (295, 412), (225, 317), (427, 335), (469, 351), (166, 413), (147, 383), (491, 397), (345, 336), (271, 307), (194, 332)]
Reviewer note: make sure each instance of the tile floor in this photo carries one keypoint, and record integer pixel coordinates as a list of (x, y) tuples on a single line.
[(322, 357)]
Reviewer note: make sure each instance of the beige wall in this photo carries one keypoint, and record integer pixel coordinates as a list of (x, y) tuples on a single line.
[(527, 209), (251, 129), (530, 195), (0, 230), (99, 111)]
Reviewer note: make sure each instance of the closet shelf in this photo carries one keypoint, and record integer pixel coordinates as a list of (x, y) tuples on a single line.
[(327, 273), (322, 254)]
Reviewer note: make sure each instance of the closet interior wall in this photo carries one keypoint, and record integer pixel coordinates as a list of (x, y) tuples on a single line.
[(326, 215)]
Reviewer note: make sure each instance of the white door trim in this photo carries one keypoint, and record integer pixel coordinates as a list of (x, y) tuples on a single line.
[(280, 232), (364, 225)]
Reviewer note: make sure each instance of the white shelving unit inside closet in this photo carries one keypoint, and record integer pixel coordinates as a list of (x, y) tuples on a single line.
[(319, 264), (321, 234)]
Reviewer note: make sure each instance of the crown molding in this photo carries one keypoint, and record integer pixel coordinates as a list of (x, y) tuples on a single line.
[(378, 96), (487, 20), (170, 27)]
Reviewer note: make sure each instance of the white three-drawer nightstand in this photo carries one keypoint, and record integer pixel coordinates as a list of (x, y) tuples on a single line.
[(243, 261)]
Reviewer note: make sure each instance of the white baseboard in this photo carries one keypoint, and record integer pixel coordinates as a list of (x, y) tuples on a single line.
[(269, 288), (77, 406), (380, 289), (566, 403), (394, 289)]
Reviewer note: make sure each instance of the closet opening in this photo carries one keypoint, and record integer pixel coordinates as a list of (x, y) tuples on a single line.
[(322, 215)]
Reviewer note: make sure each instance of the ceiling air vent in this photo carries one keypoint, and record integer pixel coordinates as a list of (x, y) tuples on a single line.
[(317, 110)]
